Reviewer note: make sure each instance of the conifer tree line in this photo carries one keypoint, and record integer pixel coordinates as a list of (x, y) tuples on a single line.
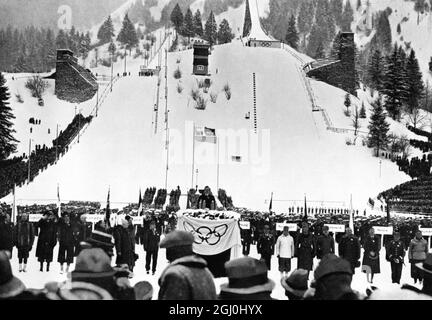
[(190, 25), (34, 50), (7, 141), (398, 78)]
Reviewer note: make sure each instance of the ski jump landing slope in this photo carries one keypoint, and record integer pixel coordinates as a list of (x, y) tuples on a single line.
[(120, 148)]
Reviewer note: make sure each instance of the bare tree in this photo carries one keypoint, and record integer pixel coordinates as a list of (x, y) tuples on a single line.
[(416, 118), (356, 123)]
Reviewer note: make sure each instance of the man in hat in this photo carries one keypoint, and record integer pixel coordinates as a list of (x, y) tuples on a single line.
[(265, 246), (296, 284), (66, 243), (417, 252), (305, 248), (247, 280), (94, 266), (124, 245), (47, 239), (333, 278), (395, 254), (349, 249), (285, 251), (24, 239), (325, 243), (151, 247), (11, 288), (187, 277), (99, 239), (207, 200)]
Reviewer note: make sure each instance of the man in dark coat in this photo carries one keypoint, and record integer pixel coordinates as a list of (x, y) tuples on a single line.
[(123, 245), (395, 254), (6, 234), (207, 200), (187, 277), (349, 249), (265, 246), (246, 238), (66, 243), (47, 240), (24, 238), (151, 247), (324, 243), (305, 248)]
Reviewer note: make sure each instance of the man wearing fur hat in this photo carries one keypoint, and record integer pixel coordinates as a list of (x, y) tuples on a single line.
[(305, 248), (187, 277), (23, 239), (265, 246), (296, 284), (47, 239), (248, 280), (66, 243)]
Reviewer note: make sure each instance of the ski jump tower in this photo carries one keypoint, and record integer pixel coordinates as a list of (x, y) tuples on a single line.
[(257, 37)]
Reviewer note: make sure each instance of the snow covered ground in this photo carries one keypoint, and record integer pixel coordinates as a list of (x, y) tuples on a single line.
[(37, 280)]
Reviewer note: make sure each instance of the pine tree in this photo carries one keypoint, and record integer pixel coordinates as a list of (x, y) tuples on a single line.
[(363, 111), (347, 17), (292, 37), (198, 26), (430, 64), (394, 87), (225, 34), (188, 25), (319, 54), (210, 31), (383, 33), (62, 40), (415, 82), (247, 26), (375, 71), (336, 6), (7, 141), (347, 102), (378, 128), (128, 35), (106, 31), (398, 28), (177, 18), (335, 50)]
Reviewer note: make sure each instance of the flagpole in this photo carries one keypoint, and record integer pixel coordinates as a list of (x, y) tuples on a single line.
[(351, 221), (218, 165), (193, 155), (14, 209)]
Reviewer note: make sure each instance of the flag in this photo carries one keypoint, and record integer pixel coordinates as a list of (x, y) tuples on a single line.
[(139, 203), (388, 212), (351, 220), (108, 210), (305, 217), (204, 134), (14, 208), (271, 203), (58, 200)]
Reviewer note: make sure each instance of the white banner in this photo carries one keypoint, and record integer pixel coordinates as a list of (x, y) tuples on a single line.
[(245, 225), (138, 220), (94, 218), (336, 228), (383, 230), (211, 236), (426, 232), (291, 226), (35, 217)]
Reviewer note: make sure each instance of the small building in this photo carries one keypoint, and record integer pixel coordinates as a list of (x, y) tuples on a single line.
[(148, 72), (201, 58)]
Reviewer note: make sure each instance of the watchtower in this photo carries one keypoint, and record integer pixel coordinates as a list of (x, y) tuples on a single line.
[(201, 58)]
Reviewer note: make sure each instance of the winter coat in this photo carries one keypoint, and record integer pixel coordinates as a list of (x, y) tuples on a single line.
[(324, 245), (285, 246), (124, 246), (246, 235), (395, 250), (151, 241), (65, 233), (24, 235), (372, 244), (187, 278), (305, 251), (6, 236), (418, 249), (265, 244), (47, 240), (349, 249)]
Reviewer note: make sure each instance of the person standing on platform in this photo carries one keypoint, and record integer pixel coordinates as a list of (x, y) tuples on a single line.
[(265, 246), (47, 240), (305, 249), (324, 243), (395, 255), (418, 249), (24, 238), (66, 243), (285, 251), (349, 249), (151, 247), (371, 256), (123, 245), (207, 200)]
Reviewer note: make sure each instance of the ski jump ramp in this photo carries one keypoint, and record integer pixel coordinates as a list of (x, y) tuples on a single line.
[(257, 36)]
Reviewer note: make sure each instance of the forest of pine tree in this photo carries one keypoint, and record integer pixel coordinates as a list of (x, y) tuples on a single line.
[(34, 50), (292, 37), (7, 140)]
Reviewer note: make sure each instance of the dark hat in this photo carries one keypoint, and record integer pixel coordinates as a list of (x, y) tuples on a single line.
[(143, 291), (247, 276), (92, 263), (297, 282), (101, 238), (10, 286), (331, 264), (76, 291), (426, 265), (177, 239)]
